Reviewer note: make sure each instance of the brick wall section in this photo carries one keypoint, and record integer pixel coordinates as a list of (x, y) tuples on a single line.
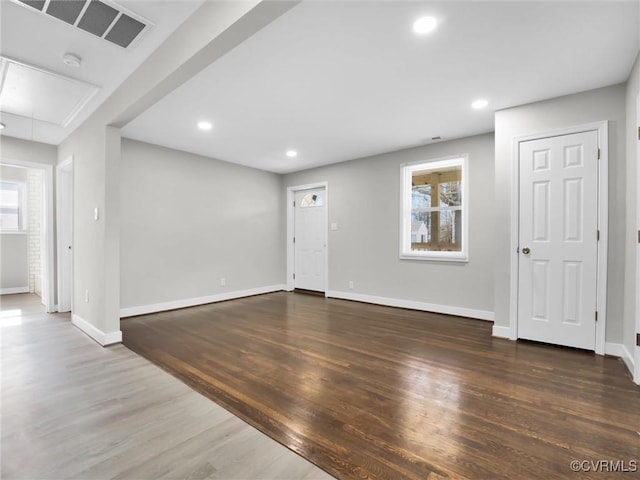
[(34, 226)]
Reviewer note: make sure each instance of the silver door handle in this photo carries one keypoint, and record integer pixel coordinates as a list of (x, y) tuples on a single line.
[(526, 250)]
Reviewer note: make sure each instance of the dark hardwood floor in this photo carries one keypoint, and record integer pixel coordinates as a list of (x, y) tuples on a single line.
[(366, 391)]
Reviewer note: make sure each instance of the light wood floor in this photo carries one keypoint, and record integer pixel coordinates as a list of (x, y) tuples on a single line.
[(371, 392), (72, 409)]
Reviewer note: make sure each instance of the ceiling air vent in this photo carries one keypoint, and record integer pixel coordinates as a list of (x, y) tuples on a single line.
[(102, 18)]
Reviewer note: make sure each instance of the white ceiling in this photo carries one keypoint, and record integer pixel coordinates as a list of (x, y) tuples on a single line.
[(39, 40), (343, 80), (336, 80)]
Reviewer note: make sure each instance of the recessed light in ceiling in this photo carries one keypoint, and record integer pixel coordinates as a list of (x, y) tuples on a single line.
[(425, 25), (71, 60), (204, 125), (292, 153), (479, 104)]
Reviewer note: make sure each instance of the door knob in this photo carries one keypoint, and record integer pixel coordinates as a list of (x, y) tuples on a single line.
[(526, 250)]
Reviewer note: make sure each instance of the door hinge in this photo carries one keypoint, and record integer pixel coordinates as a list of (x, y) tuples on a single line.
[(294, 239), (294, 203), (637, 339), (596, 315), (598, 235), (638, 236), (638, 133), (294, 276), (598, 154)]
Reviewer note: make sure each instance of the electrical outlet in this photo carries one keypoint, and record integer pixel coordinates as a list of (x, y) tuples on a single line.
[(86, 296), (351, 286), (223, 282)]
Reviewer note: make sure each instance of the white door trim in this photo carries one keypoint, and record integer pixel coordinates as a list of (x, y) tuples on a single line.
[(65, 165), (290, 229), (636, 353), (603, 222), (48, 274)]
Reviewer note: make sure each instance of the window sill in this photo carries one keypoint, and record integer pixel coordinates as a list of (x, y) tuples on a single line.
[(434, 257)]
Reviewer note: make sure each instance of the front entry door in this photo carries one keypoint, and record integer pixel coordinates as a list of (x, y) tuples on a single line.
[(558, 240), (310, 233)]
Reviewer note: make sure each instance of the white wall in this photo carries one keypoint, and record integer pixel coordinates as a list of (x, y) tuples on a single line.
[(187, 221), (592, 106), (364, 200), (34, 228)]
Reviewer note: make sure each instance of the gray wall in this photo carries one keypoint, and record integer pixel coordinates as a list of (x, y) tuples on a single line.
[(14, 256), (592, 106), (187, 221), (14, 259), (96, 158), (26, 150), (364, 200), (631, 245)]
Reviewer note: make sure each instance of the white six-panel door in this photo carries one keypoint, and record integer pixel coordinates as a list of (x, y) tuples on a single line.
[(310, 233), (558, 244)]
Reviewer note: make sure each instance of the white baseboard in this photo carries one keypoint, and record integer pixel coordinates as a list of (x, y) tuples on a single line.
[(413, 305), (12, 290), (619, 350), (192, 302), (98, 335), (501, 332)]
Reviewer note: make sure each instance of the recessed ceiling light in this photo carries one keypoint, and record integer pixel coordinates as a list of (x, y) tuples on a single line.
[(478, 104), (425, 25), (204, 125), (292, 153), (71, 60), (2, 125)]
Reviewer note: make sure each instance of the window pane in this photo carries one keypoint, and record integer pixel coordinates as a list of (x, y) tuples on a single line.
[(434, 210), (9, 195), (311, 200), (449, 225), (10, 208), (8, 221), (450, 194)]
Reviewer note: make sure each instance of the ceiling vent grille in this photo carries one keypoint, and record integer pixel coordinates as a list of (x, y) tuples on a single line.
[(102, 18)]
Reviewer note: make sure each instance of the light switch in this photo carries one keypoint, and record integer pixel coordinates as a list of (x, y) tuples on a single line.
[(334, 226)]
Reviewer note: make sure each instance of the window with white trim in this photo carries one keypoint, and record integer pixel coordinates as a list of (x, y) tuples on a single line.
[(434, 217), (12, 208)]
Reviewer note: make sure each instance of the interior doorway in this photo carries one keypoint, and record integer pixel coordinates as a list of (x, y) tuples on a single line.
[(30, 200), (307, 225), (64, 217), (559, 237)]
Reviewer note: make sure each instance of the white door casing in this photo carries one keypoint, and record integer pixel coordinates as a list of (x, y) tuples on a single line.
[(64, 216), (48, 256), (558, 240), (636, 376), (310, 239)]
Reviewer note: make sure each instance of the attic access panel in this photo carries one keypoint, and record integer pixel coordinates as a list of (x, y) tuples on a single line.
[(103, 18), (35, 93)]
